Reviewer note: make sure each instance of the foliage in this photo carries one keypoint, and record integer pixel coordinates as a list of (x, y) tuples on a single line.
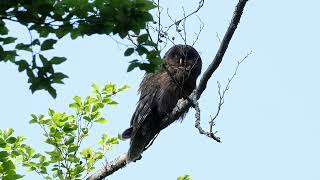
[(185, 177), (12, 151), (47, 21), (65, 134)]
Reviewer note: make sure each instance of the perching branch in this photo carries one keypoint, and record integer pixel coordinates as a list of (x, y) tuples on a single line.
[(110, 168), (183, 105)]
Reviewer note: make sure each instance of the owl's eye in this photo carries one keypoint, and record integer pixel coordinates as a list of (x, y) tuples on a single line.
[(176, 56)]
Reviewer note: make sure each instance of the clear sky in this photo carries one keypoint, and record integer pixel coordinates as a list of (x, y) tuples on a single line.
[(269, 124)]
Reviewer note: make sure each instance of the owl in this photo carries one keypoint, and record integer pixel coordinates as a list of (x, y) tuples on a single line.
[(159, 94)]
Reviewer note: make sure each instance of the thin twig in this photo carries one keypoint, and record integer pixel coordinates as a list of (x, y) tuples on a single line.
[(222, 93), (200, 30), (201, 3)]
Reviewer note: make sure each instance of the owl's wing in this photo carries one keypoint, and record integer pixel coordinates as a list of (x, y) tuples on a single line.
[(143, 110), (144, 122)]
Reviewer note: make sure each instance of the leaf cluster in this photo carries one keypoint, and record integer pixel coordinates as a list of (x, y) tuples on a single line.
[(66, 159), (47, 21)]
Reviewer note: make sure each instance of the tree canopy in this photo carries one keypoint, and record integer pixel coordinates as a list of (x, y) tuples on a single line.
[(47, 21)]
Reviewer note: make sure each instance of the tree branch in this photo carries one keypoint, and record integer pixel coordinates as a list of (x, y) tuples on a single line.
[(183, 105), (110, 168)]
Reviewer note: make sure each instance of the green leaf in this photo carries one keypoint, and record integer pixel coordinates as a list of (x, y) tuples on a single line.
[(52, 92), (22, 65), (8, 165), (44, 60), (48, 44), (124, 87), (25, 47), (8, 40), (3, 155), (35, 42), (69, 140), (129, 51), (73, 148), (75, 106), (109, 89), (69, 127), (73, 158), (2, 144), (3, 29), (11, 140), (75, 34), (142, 50), (34, 119), (156, 61), (7, 132), (30, 151), (58, 60), (109, 101), (95, 87), (113, 140), (85, 130), (101, 120), (37, 155), (59, 76), (87, 153), (133, 64), (143, 38), (8, 55), (186, 177)]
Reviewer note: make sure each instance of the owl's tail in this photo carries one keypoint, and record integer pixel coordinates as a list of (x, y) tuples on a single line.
[(139, 143)]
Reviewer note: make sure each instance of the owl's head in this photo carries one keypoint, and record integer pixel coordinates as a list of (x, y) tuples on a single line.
[(184, 56)]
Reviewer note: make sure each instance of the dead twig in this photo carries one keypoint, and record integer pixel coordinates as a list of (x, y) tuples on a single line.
[(223, 92)]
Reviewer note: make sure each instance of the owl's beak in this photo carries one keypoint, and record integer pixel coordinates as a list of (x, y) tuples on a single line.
[(180, 60)]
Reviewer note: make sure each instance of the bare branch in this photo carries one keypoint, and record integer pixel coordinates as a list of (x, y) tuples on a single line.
[(200, 30), (222, 93), (110, 168), (183, 105), (197, 122), (176, 23)]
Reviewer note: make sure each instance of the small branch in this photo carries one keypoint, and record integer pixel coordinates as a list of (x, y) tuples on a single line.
[(201, 3), (183, 105), (223, 93), (197, 122), (110, 168), (200, 30)]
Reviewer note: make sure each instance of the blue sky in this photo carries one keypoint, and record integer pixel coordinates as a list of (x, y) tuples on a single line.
[(269, 124)]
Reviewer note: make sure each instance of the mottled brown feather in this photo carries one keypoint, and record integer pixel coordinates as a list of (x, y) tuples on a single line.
[(159, 93)]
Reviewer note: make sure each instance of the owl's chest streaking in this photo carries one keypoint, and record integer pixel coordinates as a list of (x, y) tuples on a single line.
[(169, 85)]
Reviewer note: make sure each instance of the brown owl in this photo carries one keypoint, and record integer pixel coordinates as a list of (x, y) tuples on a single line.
[(159, 94)]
